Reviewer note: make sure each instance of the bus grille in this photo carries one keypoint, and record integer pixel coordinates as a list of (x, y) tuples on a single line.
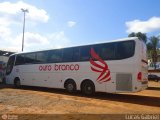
[(124, 82)]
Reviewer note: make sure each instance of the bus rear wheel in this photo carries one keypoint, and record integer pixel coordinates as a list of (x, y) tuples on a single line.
[(88, 88), (70, 86), (17, 83)]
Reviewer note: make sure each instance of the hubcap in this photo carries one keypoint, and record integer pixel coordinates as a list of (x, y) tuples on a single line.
[(88, 89), (18, 83), (70, 87)]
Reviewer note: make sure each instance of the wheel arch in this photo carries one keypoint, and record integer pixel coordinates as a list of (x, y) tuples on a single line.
[(16, 79)]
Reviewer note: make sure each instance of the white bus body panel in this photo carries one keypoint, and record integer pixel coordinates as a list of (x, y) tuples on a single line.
[(32, 75)]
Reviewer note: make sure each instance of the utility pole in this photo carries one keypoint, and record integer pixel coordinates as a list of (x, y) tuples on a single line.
[(24, 11)]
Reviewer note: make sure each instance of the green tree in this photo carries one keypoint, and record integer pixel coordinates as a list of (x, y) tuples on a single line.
[(149, 49), (152, 48), (141, 36), (133, 34)]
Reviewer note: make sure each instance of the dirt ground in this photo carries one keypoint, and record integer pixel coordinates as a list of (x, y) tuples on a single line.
[(35, 100)]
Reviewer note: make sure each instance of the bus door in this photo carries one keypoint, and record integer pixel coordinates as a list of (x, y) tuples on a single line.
[(27, 75), (25, 68)]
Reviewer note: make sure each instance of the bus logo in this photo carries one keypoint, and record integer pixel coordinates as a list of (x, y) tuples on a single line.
[(99, 67)]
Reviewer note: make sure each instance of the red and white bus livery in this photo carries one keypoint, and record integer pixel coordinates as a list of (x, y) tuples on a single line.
[(116, 66)]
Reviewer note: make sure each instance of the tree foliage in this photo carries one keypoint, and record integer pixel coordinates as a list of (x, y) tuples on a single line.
[(152, 45), (141, 36), (153, 48)]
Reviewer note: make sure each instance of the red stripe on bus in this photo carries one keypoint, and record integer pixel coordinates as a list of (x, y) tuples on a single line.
[(101, 68)]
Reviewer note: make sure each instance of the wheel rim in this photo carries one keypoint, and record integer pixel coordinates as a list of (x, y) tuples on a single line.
[(70, 87), (18, 83), (88, 89)]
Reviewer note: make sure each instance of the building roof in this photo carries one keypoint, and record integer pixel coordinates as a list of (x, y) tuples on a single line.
[(5, 53)]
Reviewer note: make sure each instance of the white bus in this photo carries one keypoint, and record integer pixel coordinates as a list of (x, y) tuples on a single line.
[(113, 67)]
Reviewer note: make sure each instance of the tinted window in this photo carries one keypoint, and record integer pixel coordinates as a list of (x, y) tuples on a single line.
[(125, 49), (20, 60), (41, 57), (55, 56), (67, 54), (85, 53), (105, 51), (10, 64), (76, 54), (30, 58)]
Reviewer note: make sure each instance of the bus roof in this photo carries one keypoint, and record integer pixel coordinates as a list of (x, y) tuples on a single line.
[(109, 41)]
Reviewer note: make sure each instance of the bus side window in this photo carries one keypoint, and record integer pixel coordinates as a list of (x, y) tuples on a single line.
[(125, 49), (41, 57), (85, 53), (67, 55), (76, 54), (106, 51), (55, 56), (30, 58), (19, 60)]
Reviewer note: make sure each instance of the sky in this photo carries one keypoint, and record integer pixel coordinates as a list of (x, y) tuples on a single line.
[(54, 24)]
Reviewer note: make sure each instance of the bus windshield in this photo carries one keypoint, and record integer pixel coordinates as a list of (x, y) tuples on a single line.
[(10, 65)]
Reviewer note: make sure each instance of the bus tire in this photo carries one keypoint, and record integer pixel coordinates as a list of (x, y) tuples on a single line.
[(17, 83), (70, 86), (88, 87)]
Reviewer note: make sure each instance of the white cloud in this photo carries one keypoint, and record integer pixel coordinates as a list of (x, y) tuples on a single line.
[(58, 40), (71, 23), (35, 14), (4, 31), (35, 41), (150, 25), (35, 38), (4, 21), (11, 18), (10, 24), (30, 39)]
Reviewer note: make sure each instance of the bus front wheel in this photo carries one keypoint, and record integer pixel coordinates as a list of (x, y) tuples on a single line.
[(70, 86), (17, 83)]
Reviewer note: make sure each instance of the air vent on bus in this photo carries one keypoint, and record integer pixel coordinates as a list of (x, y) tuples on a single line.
[(123, 82)]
